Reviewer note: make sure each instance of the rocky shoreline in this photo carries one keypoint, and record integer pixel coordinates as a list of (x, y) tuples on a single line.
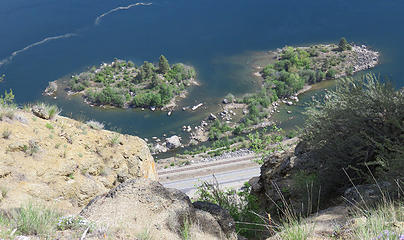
[(122, 84)]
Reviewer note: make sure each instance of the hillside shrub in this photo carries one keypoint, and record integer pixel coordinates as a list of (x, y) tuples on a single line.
[(241, 205), (359, 128)]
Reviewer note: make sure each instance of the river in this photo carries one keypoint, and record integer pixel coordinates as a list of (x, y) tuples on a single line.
[(45, 40)]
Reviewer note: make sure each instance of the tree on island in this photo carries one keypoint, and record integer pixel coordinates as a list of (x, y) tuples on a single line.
[(156, 81), (344, 45), (164, 66)]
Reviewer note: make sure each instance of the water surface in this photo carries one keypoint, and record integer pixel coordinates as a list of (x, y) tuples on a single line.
[(219, 38)]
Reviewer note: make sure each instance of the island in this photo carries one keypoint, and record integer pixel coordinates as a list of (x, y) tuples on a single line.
[(122, 84), (294, 69), (286, 73)]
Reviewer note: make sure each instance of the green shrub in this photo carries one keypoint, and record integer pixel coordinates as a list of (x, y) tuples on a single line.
[(48, 111), (331, 73), (344, 45), (360, 126), (31, 220), (242, 206)]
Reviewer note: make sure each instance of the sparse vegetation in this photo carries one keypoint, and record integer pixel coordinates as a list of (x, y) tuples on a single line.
[(31, 148), (6, 133), (3, 191), (31, 219), (73, 223), (95, 125), (7, 106), (45, 111), (385, 221), (114, 140), (145, 235)]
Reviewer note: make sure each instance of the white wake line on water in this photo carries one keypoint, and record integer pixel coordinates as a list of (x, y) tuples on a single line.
[(98, 19), (67, 35), (8, 59)]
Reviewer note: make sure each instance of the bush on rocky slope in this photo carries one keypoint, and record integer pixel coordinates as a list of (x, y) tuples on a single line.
[(358, 128)]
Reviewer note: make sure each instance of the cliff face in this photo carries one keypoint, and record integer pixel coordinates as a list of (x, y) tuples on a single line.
[(65, 162)]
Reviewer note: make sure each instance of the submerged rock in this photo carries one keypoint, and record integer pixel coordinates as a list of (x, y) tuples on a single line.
[(51, 89), (212, 116), (173, 142)]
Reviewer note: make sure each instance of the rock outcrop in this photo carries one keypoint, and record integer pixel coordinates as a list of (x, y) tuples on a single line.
[(64, 162), (140, 205)]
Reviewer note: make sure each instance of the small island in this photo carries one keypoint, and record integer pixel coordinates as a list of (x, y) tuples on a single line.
[(122, 84), (286, 73), (296, 67)]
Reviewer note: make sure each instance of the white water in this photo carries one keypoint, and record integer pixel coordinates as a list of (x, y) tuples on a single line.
[(67, 35), (14, 54), (98, 19)]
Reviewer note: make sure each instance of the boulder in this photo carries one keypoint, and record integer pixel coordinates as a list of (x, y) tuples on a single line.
[(140, 205), (158, 148), (369, 194), (221, 215), (173, 142), (40, 111), (225, 101), (212, 117)]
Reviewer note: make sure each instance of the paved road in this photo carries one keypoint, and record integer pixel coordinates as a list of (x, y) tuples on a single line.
[(229, 173), (232, 179)]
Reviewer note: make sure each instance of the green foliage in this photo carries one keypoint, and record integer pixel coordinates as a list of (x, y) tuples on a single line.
[(264, 142), (239, 129), (381, 222), (242, 206), (31, 148), (344, 45), (164, 67), (186, 230), (7, 98), (217, 129), (7, 106), (51, 111), (107, 96), (359, 128), (2, 77), (31, 220), (122, 84), (331, 73), (295, 229), (114, 140)]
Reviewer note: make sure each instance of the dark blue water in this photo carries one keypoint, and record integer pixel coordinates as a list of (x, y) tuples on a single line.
[(203, 33)]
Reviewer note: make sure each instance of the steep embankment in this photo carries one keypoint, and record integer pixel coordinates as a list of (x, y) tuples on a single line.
[(65, 162)]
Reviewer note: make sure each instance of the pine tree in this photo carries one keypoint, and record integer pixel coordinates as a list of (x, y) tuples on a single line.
[(164, 67), (344, 45)]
